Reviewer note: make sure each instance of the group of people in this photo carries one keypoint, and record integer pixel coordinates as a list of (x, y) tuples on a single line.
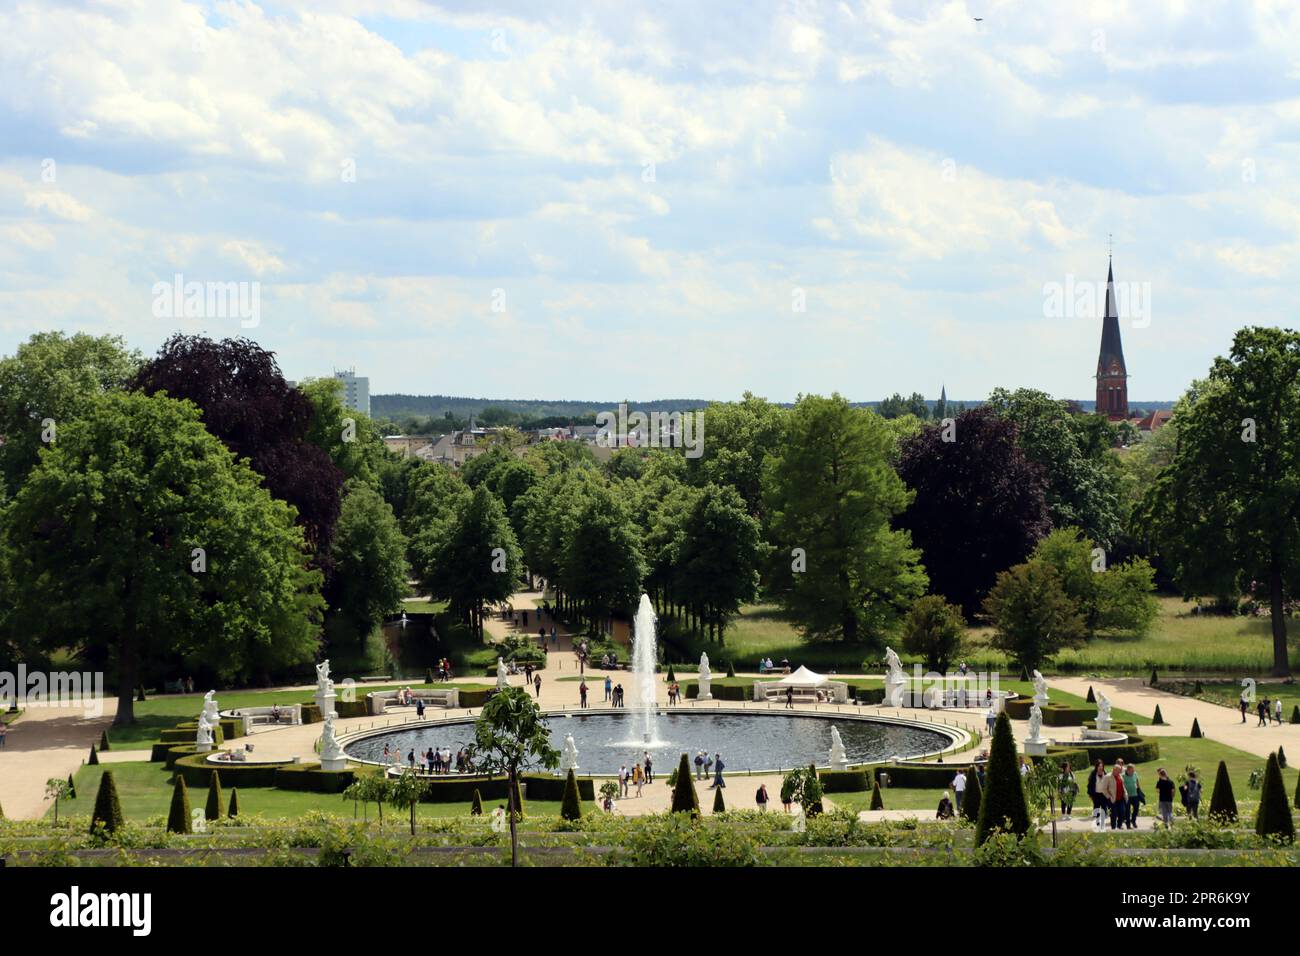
[(704, 765), (765, 665), (435, 760), (1118, 793), (442, 670), (1264, 708), (640, 774), (674, 693)]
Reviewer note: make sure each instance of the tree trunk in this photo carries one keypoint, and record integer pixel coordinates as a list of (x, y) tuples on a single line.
[(514, 835), (128, 676), (1281, 659)]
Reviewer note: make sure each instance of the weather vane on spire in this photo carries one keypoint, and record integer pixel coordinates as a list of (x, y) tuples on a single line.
[(1109, 245)]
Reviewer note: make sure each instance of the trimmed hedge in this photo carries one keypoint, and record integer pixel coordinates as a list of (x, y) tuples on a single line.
[(310, 712), (721, 691), (844, 781), (929, 777), (475, 698), (194, 768), (868, 695), (1054, 715), (352, 708), (310, 777), (547, 787)]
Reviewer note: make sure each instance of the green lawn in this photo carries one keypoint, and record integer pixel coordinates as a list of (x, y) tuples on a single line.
[(145, 791), (1228, 693), (161, 713)]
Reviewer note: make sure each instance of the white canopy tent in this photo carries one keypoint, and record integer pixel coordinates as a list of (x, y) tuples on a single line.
[(803, 677)]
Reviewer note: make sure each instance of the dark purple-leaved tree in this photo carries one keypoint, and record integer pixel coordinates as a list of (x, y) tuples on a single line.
[(980, 505), (259, 416)]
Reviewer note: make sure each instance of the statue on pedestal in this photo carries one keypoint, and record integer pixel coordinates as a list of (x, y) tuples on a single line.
[(1035, 722), (705, 689), (895, 681), (839, 757), (203, 738), (1040, 688), (503, 679), (1103, 712), (569, 755)]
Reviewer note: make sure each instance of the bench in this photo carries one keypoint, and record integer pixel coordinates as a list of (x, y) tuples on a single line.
[(376, 678), (173, 687)]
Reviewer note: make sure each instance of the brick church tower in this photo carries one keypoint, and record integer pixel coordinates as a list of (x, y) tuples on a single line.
[(1112, 374)]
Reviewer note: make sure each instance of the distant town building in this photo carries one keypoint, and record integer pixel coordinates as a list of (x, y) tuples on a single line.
[(356, 390)]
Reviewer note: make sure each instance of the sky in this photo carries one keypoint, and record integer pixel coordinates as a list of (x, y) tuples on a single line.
[(598, 201)]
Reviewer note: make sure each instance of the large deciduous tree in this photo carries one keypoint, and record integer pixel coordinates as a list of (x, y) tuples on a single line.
[(979, 504), (248, 405), (139, 536), (369, 561), (831, 493), (720, 552), (48, 381), (1032, 616), (1226, 512), (933, 630)]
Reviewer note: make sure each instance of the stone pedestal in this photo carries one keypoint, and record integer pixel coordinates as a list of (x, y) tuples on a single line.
[(840, 764), (705, 689), (325, 701), (203, 748), (1103, 723), (894, 692), (333, 763), (1035, 748)]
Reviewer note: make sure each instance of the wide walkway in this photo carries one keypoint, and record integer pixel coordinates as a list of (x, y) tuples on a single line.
[(47, 742)]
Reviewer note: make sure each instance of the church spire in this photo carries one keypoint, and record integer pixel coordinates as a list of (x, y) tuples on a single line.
[(1112, 373)]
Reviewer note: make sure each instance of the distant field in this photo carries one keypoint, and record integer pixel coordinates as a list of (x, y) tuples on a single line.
[(1179, 641)]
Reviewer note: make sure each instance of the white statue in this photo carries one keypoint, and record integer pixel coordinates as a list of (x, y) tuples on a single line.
[(1103, 712), (705, 674), (210, 707), (839, 758), (895, 682), (704, 691), (323, 673), (1040, 688), (569, 755), (204, 736), (331, 754), (503, 680), (499, 820), (1035, 721), (800, 822)]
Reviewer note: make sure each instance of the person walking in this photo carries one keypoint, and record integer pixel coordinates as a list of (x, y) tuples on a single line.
[(991, 719), (1113, 788), (1068, 788), (638, 777), (761, 798), (537, 686), (4, 731), (622, 780), (1164, 798), (1133, 794), (959, 788), (1244, 705), (1193, 795), (718, 767), (789, 698), (708, 764), (1277, 711), (1094, 787), (1262, 710), (582, 693), (609, 688), (649, 769), (699, 765)]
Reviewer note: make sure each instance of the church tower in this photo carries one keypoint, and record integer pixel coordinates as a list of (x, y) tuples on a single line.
[(1112, 374)]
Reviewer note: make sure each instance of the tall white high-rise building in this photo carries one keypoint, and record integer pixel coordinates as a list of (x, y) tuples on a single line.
[(356, 391)]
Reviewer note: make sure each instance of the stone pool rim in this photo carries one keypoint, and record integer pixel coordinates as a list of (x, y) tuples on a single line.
[(958, 737)]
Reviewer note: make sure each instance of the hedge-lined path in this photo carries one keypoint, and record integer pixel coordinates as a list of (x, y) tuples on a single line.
[(46, 742), (1217, 723)]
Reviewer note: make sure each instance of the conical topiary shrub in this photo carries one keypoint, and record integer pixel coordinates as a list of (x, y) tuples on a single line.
[(1024, 674), (72, 788), (93, 759), (1091, 698), (1157, 718), (1281, 758), (1155, 678), (571, 802), (1274, 817), (1223, 805), (1297, 793), (178, 817), (1003, 806), (214, 808), (672, 675), (103, 741), (428, 675), (233, 810), (970, 804), (731, 669), (1196, 728), (719, 805), (877, 801), (476, 805), (108, 809), (1295, 714), (685, 799)]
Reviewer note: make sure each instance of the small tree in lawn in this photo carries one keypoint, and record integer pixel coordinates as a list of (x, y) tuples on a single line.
[(103, 741), (1295, 714), (1158, 719), (1196, 728), (509, 735), (57, 789), (1033, 617), (107, 814), (178, 815), (215, 806), (476, 805), (571, 802), (405, 792), (72, 788), (877, 798), (803, 788), (1223, 804), (933, 630), (232, 811), (685, 800), (719, 805), (1003, 805), (970, 806), (1274, 817), (1092, 697), (93, 759)]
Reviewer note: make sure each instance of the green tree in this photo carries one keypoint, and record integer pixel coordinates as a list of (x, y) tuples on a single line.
[(739, 438), (933, 630), (1032, 615), (178, 815), (1002, 806), (842, 572), (369, 552), (602, 568), (348, 436), (718, 558), (571, 802), (215, 807), (370, 788), (1226, 512), (970, 805), (108, 808), (49, 381), (139, 536), (509, 735), (1274, 817), (1116, 599), (406, 791), (1223, 803), (685, 799), (56, 789)]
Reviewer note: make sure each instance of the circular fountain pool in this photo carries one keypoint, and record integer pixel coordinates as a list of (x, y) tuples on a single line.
[(746, 740)]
